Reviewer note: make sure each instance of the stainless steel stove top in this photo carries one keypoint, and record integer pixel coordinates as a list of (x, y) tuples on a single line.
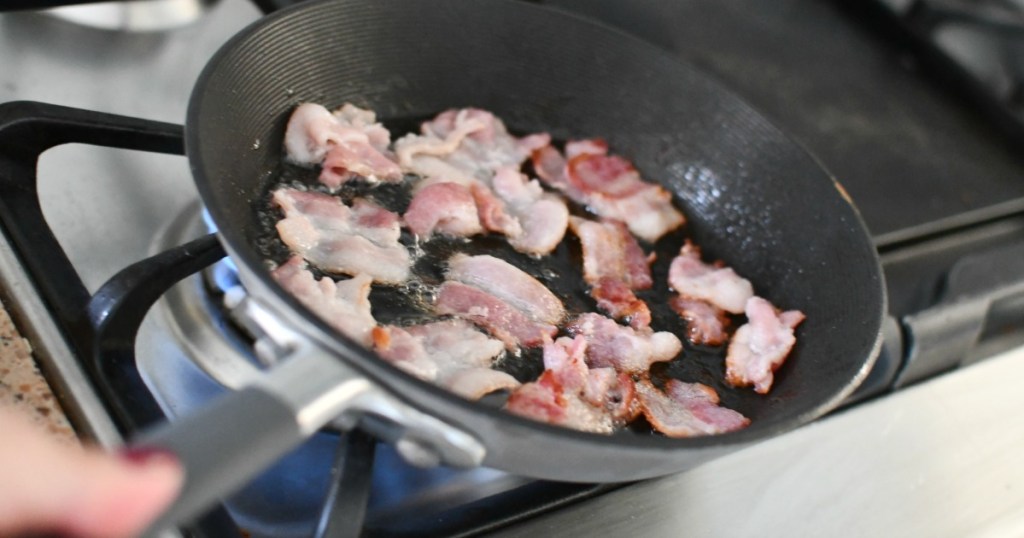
[(938, 459)]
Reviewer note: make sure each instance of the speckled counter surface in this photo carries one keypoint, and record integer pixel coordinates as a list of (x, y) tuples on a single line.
[(22, 385)]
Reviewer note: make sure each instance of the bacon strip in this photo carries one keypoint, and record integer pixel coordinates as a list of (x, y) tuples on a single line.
[(614, 265), (450, 353), (543, 217), (610, 251), (503, 321), (494, 216), (447, 208), (610, 187), (473, 148), (687, 409), (761, 345), (349, 143), (623, 348), (344, 305), (509, 284), (614, 297), (463, 146), (342, 239), (570, 394), (718, 286), (705, 324)]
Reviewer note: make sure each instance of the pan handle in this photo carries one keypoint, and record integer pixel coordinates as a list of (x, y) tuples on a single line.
[(224, 445)]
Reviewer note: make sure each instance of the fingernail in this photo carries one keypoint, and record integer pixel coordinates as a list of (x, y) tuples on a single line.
[(144, 455)]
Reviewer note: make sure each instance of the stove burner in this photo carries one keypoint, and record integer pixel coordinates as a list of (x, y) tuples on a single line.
[(148, 16)]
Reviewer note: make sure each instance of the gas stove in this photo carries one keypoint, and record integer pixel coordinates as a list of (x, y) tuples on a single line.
[(926, 446)]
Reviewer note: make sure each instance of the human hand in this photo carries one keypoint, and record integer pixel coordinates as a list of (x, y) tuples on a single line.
[(81, 492)]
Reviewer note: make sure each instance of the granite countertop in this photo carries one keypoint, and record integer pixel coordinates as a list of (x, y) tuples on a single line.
[(23, 387)]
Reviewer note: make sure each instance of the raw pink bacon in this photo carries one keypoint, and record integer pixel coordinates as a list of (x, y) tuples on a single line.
[(717, 285), (473, 148), (614, 265), (342, 239), (614, 297), (446, 208), (507, 323), (349, 143), (509, 284), (542, 216), (610, 187), (463, 146), (493, 213), (623, 348), (450, 353), (686, 409), (761, 345), (512, 305), (571, 394), (344, 305), (610, 251), (705, 324)]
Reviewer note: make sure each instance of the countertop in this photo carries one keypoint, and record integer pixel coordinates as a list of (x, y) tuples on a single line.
[(23, 387)]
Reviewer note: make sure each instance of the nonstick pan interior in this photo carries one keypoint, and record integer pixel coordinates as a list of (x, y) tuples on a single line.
[(753, 197)]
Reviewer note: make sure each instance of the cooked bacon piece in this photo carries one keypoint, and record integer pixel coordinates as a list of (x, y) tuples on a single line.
[(687, 409), (705, 324), (509, 284), (540, 400), (405, 351), (494, 216), (719, 286), (469, 147), (475, 383), (504, 321), (623, 348), (456, 344), (610, 187), (614, 297), (447, 208), (543, 216), (337, 238), (349, 143), (614, 265), (761, 345), (613, 391), (592, 146), (610, 175), (451, 353), (344, 305), (610, 251), (604, 388), (570, 394), (463, 145)]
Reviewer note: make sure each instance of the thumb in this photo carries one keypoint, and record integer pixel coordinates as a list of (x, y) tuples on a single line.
[(80, 491)]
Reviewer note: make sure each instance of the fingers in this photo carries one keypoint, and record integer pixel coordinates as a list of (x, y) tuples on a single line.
[(45, 486)]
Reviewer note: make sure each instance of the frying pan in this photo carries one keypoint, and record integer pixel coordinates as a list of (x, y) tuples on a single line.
[(753, 198)]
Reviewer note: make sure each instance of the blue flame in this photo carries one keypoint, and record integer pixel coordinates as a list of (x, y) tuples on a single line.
[(224, 272)]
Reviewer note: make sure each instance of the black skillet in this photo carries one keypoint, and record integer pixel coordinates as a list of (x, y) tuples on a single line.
[(753, 198)]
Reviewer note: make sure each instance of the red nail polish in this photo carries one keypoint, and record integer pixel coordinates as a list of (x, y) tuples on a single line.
[(143, 455)]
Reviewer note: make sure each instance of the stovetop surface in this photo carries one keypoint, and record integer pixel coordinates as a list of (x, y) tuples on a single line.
[(841, 81), (912, 155)]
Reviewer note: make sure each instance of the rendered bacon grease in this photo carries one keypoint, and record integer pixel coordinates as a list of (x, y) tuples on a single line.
[(463, 177)]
